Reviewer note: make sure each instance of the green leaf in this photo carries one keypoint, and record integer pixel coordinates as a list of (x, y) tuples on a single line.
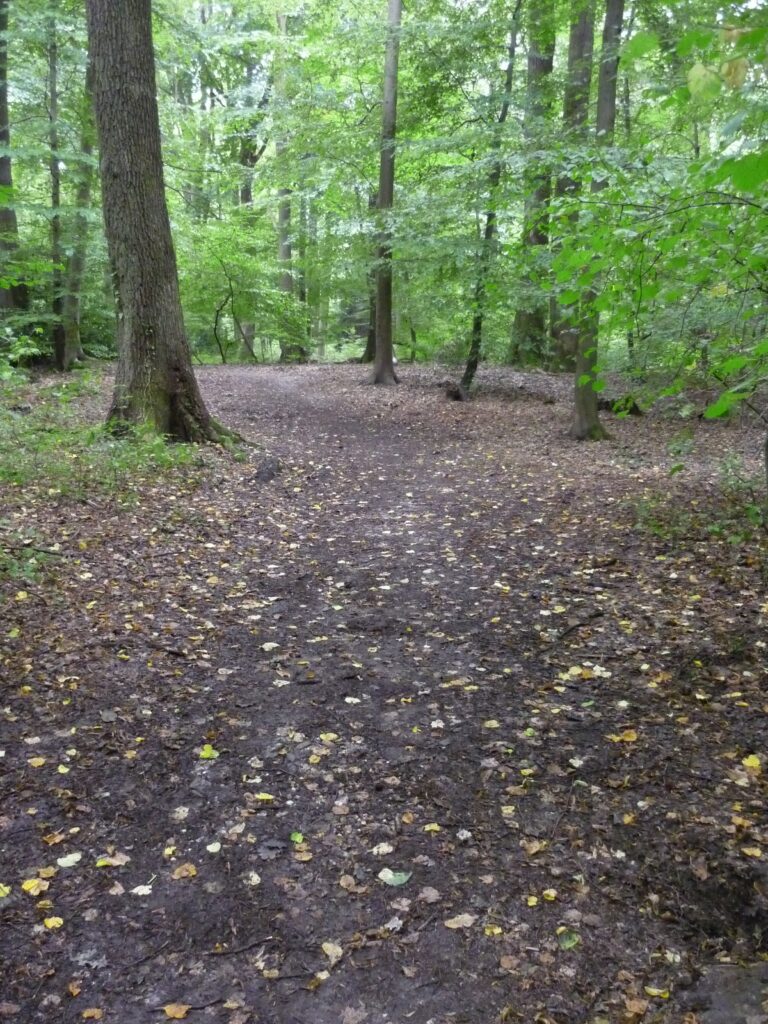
[(696, 39), (749, 172), (297, 837), (389, 877), (722, 406), (640, 44), (703, 82), (568, 939), (208, 753)]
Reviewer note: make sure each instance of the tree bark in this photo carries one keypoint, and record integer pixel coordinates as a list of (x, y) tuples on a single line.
[(369, 353), (575, 117), (586, 419), (14, 296), (155, 384), (490, 231), (383, 366), (75, 270), (54, 164), (529, 330)]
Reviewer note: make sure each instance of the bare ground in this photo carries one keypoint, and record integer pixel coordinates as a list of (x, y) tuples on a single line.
[(421, 636)]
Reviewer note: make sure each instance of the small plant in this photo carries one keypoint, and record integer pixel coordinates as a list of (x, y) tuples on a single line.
[(15, 351)]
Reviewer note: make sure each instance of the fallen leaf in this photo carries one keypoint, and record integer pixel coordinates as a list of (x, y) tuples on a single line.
[(389, 877), (460, 921), (115, 860), (176, 1011), (53, 922), (93, 1013), (34, 886), (627, 736), (5, 890), (184, 871), (208, 753), (333, 951), (70, 860)]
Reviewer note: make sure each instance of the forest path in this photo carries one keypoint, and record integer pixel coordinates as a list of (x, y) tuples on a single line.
[(430, 641)]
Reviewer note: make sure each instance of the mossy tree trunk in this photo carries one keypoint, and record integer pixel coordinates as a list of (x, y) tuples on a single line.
[(155, 384), (15, 295)]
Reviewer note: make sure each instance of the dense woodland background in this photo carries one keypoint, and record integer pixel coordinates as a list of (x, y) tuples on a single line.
[(518, 220)]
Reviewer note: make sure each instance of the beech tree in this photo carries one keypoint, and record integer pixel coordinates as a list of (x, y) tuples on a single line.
[(155, 384), (13, 294), (383, 366)]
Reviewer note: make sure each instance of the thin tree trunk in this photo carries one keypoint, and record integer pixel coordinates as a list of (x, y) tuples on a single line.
[(155, 384), (75, 270), (369, 353), (529, 330), (383, 367), (54, 164), (13, 296), (490, 231), (586, 421), (575, 117)]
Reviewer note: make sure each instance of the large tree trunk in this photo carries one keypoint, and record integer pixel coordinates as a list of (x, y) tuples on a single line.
[(575, 118), (383, 366), (490, 231), (529, 330), (586, 420), (75, 270), (16, 295), (155, 384), (57, 277)]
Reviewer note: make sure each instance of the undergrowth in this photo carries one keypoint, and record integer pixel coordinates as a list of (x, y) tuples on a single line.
[(49, 448)]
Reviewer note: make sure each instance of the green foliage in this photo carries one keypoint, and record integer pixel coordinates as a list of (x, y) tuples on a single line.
[(47, 447)]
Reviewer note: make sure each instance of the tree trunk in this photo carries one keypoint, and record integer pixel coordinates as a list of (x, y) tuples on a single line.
[(75, 270), (586, 420), (369, 353), (490, 231), (54, 164), (529, 331), (13, 296), (383, 366), (155, 384), (575, 117)]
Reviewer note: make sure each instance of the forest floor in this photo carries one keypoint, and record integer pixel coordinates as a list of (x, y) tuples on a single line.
[(419, 713)]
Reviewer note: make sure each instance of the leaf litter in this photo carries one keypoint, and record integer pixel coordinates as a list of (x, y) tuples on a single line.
[(550, 725)]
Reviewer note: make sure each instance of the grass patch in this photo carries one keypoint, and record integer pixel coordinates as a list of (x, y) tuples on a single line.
[(48, 447)]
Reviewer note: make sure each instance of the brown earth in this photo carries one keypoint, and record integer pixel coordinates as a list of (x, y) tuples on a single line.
[(431, 637)]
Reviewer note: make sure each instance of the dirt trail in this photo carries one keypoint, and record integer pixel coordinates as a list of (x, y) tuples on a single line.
[(422, 636)]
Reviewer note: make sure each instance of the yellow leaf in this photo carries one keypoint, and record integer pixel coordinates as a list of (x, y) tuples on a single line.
[(460, 921), (36, 762), (628, 736), (328, 737), (333, 951), (54, 837), (493, 929), (491, 723), (265, 798), (752, 763), (532, 901), (550, 895), (62, 769), (74, 988), (115, 860), (21, 595), (432, 827), (93, 1013), (47, 872), (184, 871), (34, 886), (659, 993), (53, 922), (752, 851), (5, 890), (176, 1011)]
